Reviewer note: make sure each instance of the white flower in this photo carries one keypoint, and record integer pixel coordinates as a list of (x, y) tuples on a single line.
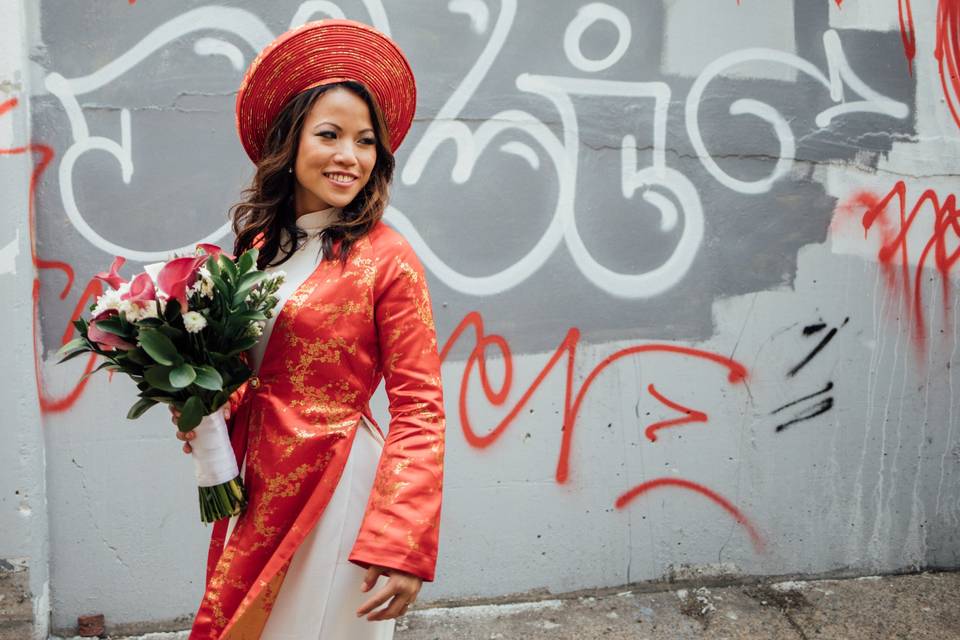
[(255, 329), (109, 300), (148, 310), (130, 310), (193, 322), (279, 276)]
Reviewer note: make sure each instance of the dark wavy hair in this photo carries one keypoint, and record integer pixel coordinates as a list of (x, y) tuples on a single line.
[(267, 208)]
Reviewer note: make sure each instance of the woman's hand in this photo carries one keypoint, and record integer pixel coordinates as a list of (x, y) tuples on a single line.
[(190, 435), (402, 587)]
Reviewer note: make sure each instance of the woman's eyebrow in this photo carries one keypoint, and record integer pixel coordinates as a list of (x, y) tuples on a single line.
[(339, 128)]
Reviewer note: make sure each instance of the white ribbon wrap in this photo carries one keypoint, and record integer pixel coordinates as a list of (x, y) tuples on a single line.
[(213, 457)]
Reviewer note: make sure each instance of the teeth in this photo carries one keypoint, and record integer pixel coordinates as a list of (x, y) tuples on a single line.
[(339, 177)]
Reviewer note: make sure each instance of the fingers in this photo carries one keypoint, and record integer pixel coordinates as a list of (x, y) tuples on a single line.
[(398, 607), (378, 599), (401, 587), (186, 437), (370, 578)]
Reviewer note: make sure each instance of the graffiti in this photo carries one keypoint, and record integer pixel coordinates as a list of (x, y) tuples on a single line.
[(907, 242), (48, 403), (825, 404), (736, 373), (819, 408), (715, 497), (947, 53), (907, 32), (692, 415), (808, 331), (661, 186), (7, 105), (839, 75)]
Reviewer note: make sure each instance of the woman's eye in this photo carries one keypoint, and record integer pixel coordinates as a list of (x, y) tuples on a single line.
[(327, 134), (368, 141)]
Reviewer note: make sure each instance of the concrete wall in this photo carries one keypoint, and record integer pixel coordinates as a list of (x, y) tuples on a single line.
[(645, 216), (24, 529)]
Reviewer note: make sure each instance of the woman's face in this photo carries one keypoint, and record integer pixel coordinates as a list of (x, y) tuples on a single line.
[(337, 152)]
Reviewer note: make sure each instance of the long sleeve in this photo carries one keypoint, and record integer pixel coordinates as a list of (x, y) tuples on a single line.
[(401, 526)]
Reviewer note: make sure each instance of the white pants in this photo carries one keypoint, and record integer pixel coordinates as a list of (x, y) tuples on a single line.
[(321, 591)]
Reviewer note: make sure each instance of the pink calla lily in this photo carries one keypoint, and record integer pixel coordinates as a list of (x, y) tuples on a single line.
[(178, 275), (104, 339), (113, 278), (212, 250), (141, 290)]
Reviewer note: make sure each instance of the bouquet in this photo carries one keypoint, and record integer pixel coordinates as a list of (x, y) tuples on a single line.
[(179, 330)]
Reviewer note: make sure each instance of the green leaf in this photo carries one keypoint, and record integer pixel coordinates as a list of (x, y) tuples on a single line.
[(158, 346), (139, 407), (191, 413), (139, 356), (208, 378), (219, 399), (150, 322), (171, 332), (228, 269), (182, 376), (243, 345), (76, 343), (75, 354), (221, 286), (115, 326), (159, 378), (172, 311), (212, 266), (247, 283), (246, 317), (244, 263)]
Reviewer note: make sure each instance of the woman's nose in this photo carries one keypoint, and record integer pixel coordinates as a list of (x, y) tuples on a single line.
[(345, 154)]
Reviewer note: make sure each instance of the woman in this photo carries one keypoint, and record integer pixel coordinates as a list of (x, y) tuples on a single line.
[(320, 111)]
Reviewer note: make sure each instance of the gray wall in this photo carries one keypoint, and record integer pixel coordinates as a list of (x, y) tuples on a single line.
[(24, 529), (655, 203)]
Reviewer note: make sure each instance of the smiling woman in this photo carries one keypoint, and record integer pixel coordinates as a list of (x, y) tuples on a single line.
[(333, 505), (328, 147)]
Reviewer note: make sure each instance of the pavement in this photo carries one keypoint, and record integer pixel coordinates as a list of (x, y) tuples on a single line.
[(906, 607)]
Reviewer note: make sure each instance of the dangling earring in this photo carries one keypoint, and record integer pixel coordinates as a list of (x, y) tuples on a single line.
[(289, 169)]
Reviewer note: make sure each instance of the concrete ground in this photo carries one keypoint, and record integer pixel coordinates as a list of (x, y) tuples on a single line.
[(913, 607), (910, 607)]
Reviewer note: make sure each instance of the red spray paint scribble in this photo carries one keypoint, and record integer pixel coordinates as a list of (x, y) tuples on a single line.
[(692, 415), (657, 483), (49, 404), (737, 373), (894, 253), (947, 52), (907, 32), (6, 105)]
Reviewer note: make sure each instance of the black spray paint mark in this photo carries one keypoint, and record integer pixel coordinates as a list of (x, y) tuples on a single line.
[(799, 400), (810, 356), (811, 329), (821, 407)]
